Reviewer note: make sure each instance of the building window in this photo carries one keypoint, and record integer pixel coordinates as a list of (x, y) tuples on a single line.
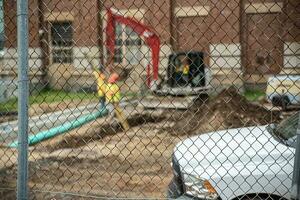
[(128, 45), (61, 42)]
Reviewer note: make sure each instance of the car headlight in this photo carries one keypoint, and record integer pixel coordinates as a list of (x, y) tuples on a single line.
[(198, 187)]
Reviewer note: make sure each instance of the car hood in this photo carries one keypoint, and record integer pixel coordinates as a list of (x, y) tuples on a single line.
[(214, 154)]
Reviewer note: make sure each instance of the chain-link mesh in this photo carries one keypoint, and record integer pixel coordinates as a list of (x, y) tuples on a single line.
[(154, 99)]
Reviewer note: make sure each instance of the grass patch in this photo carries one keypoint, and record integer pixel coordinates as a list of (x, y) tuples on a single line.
[(48, 96), (254, 95)]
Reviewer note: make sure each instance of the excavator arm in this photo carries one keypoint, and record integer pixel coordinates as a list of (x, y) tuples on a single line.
[(145, 32)]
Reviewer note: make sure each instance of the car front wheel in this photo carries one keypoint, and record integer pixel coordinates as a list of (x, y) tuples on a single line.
[(174, 190)]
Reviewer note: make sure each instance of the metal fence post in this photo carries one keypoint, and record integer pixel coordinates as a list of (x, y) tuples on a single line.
[(23, 90), (296, 171)]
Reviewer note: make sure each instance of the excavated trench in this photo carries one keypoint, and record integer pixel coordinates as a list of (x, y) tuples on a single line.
[(107, 130)]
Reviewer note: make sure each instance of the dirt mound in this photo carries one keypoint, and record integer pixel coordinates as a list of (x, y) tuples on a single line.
[(227, 110)]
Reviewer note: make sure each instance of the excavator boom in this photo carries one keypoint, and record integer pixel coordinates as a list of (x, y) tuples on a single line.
[(170, 95), (151, 39)]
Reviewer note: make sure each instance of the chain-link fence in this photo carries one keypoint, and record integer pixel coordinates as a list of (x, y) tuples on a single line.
[(160, 99)]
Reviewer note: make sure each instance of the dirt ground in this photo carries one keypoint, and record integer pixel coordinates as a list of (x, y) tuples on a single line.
[(100, 159)]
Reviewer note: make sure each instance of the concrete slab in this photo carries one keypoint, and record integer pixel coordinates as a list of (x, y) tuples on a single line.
[(9, 130)]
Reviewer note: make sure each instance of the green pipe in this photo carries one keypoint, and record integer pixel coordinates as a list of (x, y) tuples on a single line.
[(43, 135)]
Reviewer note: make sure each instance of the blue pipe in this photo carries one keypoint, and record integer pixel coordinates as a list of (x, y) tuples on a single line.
[(43, 135)]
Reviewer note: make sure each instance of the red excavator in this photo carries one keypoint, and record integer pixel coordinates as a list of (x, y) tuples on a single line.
[(186, 87)]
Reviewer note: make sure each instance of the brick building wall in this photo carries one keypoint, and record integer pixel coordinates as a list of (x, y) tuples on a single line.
[(84, 17), (270, 38), (86, 24), (8, 65), (214, 28), (225, 30)]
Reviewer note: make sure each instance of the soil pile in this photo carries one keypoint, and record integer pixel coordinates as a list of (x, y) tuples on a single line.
[(227, 110)]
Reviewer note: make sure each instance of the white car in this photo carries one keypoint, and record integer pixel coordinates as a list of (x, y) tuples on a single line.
[(245, 163)]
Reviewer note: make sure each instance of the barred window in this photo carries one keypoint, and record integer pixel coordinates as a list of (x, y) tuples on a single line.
[(62, 42)]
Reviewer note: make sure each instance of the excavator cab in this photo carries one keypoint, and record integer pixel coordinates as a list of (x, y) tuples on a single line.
[(186, 75), (187, 79), (186, 69)]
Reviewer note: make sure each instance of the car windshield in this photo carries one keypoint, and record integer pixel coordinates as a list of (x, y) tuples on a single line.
[(286, 129)]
